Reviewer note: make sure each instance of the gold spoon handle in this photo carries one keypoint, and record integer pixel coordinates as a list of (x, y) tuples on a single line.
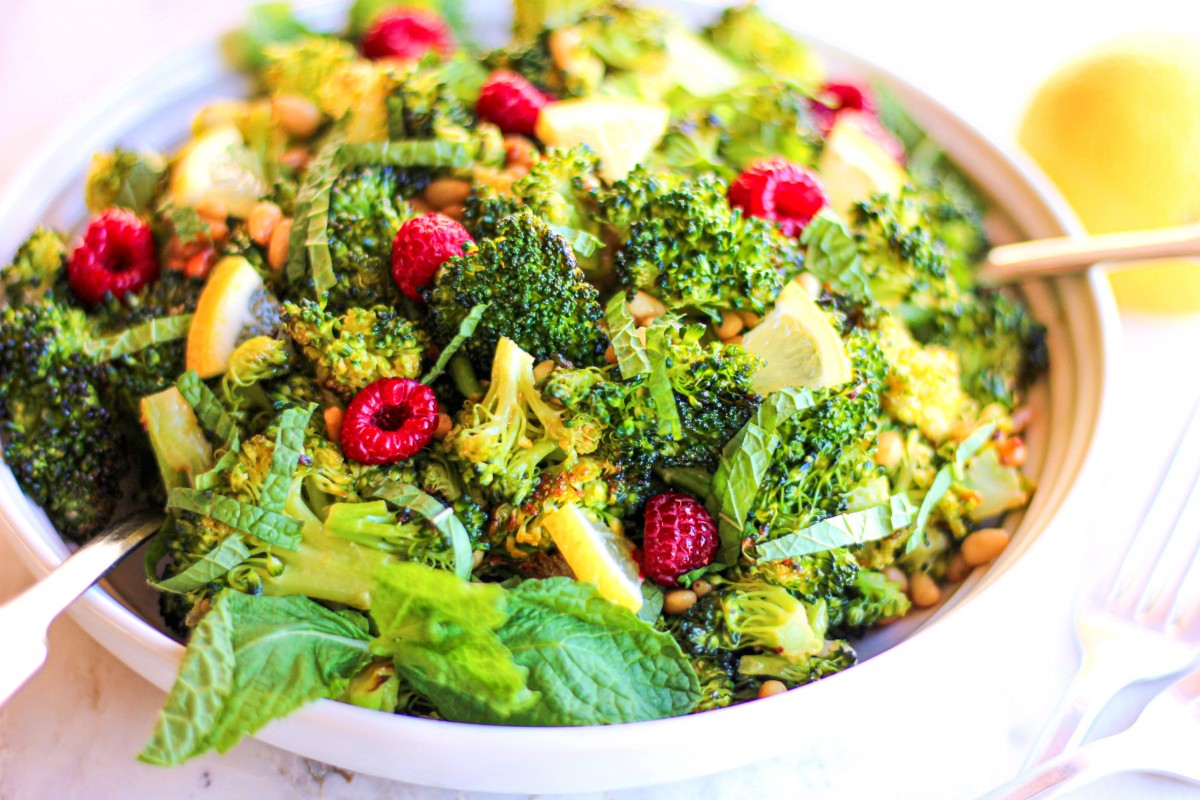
[(1047, 258)]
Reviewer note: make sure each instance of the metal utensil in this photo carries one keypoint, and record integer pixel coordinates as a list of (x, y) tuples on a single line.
[(1164, 740), (26, 618), (1141, 623), (1045, 258)]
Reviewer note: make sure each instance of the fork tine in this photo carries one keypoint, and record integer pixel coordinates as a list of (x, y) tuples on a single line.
[(1147, 545), (1175, 563), (1187, 596)]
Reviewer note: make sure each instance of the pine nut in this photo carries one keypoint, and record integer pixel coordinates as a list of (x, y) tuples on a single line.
[(923, 590), (645, 308), (296, 158), (957, 569), (1012, 452), (771, 688), (896, 575), (211, 209), (542, 369), (333, 422), (731, 325), (262, 221), (810, 284), (610, 355), (701, 587), (889, 449), (734, 340), (445, 192), (983, 546), (476, 559), (750, 318), (445, 423), (298, 115), (678, 601), (455, 212), (277, 249)]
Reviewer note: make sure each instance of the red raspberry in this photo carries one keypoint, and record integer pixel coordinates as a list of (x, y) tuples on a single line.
[(680, 536), (388, 421), (511, 103), (776, 189), (420, 248), (834, 98), (407, 33), (117, 255)]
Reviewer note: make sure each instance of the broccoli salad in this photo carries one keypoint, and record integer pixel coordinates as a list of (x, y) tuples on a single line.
[(624, 372)]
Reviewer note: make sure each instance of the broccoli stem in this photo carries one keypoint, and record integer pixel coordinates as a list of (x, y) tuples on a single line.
[(463, 375)]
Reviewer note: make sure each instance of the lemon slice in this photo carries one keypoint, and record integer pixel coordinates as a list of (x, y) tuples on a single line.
[(853, 166), (621, 131), (799, 345), (217, 166), (228, 306), (597, 555)]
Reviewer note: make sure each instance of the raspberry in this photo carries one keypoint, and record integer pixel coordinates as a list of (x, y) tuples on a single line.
[(407, 33), (510, 102), (388, 421), (117, 255), (680, 536), (776, 189), (835, 98), (420, 248)]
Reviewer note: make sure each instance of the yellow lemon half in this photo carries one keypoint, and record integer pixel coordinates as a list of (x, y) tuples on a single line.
[(620, 131), (1118, 131), (226, 307), (799, 345), (597, 555), (853, 166), (216, 166)]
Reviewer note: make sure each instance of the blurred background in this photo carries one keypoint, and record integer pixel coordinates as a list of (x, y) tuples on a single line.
[(86, 714)]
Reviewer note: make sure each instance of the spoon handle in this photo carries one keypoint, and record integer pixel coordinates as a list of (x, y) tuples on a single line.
[(1046, 258), (26, 618)]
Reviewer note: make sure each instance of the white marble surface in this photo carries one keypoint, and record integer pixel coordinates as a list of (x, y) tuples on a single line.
[(76, 728)]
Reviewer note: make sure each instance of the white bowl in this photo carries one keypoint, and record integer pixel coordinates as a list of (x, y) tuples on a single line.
[(1079, 313)]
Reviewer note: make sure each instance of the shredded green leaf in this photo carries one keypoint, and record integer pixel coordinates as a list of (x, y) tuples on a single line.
[(659, 384), (209, 411), (466, 329), (404, 153), (942, 481), (312, 207), (268, 526), (632, 359), (833, 257), (289, 446), (439, 516), (844, 530), (225, 556), (139, 337)]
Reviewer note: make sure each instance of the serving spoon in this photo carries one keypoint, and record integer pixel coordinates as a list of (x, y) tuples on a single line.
[(1047, 258), (25, 620)]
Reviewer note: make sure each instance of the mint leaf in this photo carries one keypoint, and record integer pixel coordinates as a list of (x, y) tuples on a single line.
[(593, 662), (230, 552), (466, 329), (942, 481), (139, 337), (209, 411), (309, 238), (744, 463), (659, 384), (441, 632), (844, 530), (269, 526), (253, 659), (631, 355), (440, 517), (973, 443), (405, 153), (289, 446), (832, 256)]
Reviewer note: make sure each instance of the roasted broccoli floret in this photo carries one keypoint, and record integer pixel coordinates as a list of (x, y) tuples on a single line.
[(37, 270), (684, 244), (354, 349), (63, 442), (748, 36), (924, 387), (254, 363), (813, 577), (366, 210), (870, 599), (124, 178), (537, 296)]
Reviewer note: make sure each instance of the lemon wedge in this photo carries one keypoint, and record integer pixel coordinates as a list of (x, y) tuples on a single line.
[(621, 131), (799, 345), (853, 166), (216, 166), (597, 554), (227, 307)]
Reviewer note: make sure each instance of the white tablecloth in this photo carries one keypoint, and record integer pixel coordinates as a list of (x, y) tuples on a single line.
[(76, 728)]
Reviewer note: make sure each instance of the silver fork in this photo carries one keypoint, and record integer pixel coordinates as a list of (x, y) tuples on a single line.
[(1139, 626), (1164, 740)]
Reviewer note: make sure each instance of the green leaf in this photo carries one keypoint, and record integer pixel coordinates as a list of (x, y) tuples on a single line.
[(439, 516), (216, 562), (212, 478), (209, 411), (652, 602), (944, 479), (268, 526), (631, 354), (593, 662), (187, 223), (289, 446), (139, 337), (744, 463), (844, 530), (405, 153), (833, 256), (973, 443), (441, 632), (312, 211), (659, 384), (253, 659), (466, 329), (266, 24)]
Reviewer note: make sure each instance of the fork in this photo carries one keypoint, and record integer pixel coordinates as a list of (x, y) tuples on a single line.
[(1140, 625), (1165, 740)]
